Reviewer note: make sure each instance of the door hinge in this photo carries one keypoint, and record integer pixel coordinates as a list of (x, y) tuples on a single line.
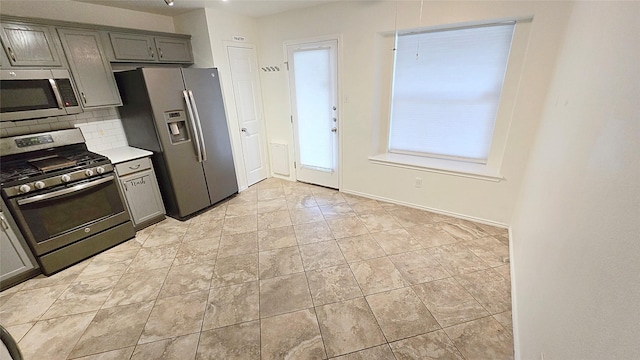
[(294, 165), (287, 64), (291, 119)]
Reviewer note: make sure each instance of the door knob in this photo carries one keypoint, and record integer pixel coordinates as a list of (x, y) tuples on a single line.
[(334, 129), (244, 130)]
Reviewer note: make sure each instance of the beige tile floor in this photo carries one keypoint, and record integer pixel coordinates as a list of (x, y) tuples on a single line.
[(282, 270)]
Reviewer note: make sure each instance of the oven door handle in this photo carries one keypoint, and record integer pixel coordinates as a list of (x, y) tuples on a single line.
[(64, 191)]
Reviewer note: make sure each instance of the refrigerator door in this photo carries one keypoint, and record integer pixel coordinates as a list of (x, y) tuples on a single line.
[(219, 168), (183, 173)]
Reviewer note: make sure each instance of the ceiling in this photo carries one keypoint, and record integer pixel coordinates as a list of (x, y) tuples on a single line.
[(252, 8)]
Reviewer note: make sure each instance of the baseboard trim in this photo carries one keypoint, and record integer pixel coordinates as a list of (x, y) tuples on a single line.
[(514, 308), (420, 207)]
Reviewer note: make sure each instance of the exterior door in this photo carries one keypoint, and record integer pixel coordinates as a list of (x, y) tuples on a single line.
[(313, 82), (246, 91)]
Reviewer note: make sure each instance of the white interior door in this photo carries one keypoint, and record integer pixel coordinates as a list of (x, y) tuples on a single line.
[(246, 91), (313, 82)]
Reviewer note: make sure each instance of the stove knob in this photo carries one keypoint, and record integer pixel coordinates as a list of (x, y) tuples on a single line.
[(39, 185), (100, 170), (88, 172), (24, 188), (65, 178)]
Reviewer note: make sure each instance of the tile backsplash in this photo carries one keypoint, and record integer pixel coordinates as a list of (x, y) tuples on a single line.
[(102, 129), (103, 135)]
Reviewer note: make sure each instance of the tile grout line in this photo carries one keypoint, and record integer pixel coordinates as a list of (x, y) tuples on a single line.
[(364, 296), (155, 301), (315, 310)]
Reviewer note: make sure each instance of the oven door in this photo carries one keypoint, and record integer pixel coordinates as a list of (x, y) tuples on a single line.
[(65, 215)]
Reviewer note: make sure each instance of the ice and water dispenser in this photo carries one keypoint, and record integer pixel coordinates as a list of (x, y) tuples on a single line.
[(177, 126)]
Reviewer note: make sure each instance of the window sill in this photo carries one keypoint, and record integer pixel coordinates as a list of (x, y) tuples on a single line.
[(440, 166)]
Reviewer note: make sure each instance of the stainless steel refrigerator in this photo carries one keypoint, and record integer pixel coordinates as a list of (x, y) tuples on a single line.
[(178, 114)]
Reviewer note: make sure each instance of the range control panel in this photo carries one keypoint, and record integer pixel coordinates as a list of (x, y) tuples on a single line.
[(34, 140)]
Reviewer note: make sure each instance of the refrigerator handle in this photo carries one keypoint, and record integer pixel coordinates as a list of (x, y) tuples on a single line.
[(193, 124), (195, 110)]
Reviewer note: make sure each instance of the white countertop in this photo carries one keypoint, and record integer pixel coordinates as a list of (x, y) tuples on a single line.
[(125, 153)]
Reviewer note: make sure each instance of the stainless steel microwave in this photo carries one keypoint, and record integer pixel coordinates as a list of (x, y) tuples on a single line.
[(30, 94)]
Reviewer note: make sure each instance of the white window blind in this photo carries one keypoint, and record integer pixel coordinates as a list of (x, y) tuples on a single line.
[(446, 91)]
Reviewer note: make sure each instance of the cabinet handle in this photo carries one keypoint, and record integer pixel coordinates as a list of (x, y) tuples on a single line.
[(4, 222), (161, 54), (151, 51), (134, 167), (84, 98), (12, 54)]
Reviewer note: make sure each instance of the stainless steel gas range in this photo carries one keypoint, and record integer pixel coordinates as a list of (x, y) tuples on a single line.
[(63, 197)]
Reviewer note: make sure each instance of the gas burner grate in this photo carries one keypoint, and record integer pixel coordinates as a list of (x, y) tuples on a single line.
[(14, 172), (84, 158), (21, 168)]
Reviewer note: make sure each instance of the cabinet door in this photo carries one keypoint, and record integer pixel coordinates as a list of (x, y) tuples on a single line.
[(29, 45), (90, 68), (174, 50), (143, 196), (131, 47), (13, 258)]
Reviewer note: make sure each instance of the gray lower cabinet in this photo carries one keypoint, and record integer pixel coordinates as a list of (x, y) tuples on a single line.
[(16, 264), (90, 68), (29, 45), (140, 188)]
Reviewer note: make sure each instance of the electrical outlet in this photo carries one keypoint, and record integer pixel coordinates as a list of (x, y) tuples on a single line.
[(418, 182)]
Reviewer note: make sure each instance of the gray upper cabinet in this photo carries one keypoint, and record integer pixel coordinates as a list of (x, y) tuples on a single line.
[(174, 50), (131, 47), (29, 45), (90, 68)]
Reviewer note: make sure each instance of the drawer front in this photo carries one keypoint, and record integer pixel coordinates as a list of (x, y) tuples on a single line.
[(132, 166)]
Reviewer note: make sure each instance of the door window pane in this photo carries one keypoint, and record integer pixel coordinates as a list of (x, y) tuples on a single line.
[(312, 73)]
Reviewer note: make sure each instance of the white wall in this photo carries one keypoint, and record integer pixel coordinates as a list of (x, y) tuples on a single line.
[(219, 27), (359, 23), (576, 228), (86, 13), (195, 24)]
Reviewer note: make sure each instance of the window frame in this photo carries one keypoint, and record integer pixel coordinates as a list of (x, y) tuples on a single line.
[(484, 171)]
